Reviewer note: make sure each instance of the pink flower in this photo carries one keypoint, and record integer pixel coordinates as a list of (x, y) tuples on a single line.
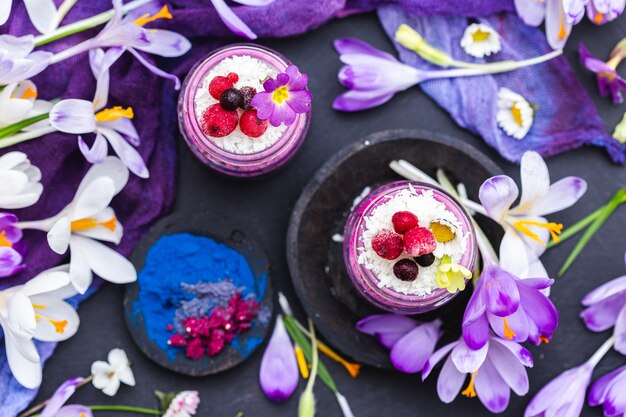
[(185, 404)]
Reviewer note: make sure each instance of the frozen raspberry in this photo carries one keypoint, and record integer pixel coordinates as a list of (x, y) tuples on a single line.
[(405, 270), (219, 122), (218, 85), (169, 327), (251, 125), (178, 340), (425, 260), (387, 244), (232, 77), (248, 93), (231, 99), (419, 241), (216, 342), (194, 349), (403, 221)]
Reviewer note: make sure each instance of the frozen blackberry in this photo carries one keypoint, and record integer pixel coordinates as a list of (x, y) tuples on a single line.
[(425, 260), (231, 98), (405, 270), (247, 93)]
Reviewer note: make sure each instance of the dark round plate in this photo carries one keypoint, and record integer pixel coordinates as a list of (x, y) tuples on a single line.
[(222, 230), (315, 260)]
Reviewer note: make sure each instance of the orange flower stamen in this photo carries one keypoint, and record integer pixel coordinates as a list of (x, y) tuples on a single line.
[(164, 13), (470, 392), (3, 239), (508, 333), (554, 228), (90, 223)]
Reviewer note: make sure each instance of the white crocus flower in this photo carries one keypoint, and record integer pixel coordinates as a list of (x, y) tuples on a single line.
[(87, 220), (515, 114), (108, 375), (526, 229), (43, 14), (35, 310), (18, 62), (19, 181), (480, 40)]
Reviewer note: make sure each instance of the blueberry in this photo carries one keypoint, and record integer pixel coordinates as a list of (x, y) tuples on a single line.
[(231, 98), (248, 93), (405, 270), (425, 260)]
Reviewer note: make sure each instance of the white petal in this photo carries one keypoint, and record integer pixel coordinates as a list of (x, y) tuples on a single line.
[(93, 199), (113, 168), (112, 386), (535, 181), (12, 159), (100, 368), (25, 371), (103, 233), (105, 262), (12, 182), (126, 376), (14, 110), (5, 10), (167, 43), (557, 25), (513, 257), (42, 14), (21, 315), (561, 195), (57, 310), (59, 235), (497, 194), (126, 152), (117, 358), (73, 116), (46, 282), (80, 272)]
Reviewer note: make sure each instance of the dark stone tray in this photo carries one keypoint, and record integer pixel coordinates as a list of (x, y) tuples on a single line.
[(316, 261), (223, 230)]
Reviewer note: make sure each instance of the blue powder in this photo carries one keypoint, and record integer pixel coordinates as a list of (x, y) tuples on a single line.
[(173, 275)]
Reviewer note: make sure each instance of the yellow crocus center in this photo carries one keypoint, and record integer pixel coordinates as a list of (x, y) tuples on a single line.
[(470, 392), (598, 18), (517, 114), (554, 228), (90, 223), (164, 13), (508, 333), (3, 239), (114, 113), (480, 36), (59, 325), (280, 94), (29, 93), (302, 365)]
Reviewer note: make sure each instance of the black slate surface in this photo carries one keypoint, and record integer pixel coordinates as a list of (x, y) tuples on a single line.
[(267, 206)]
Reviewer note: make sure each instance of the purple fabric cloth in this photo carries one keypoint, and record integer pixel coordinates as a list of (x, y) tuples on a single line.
[(153, 100)]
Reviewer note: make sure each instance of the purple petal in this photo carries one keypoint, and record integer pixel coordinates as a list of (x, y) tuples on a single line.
[(60, 396), (231, 20), (10, 261), (536, 283), (73, 116), (356, 46), (500, 292), (468, 360), (561, 195), (101, 62), (297, 81), (509, 367), (522, 354), (450, 382), (531, 12), (155, 70), (167, 43), (279, 369), (98, 151), (497, 194), (617, 285), (491, 390), (360, 100), (517, 322), (620, 331), (557, 24), (598, 390), (602, 315), (126, 128), (282, 114), (300, 101), (255, 3), (388, 328), (412, 351), (74, 411), (590, 62), (264, 104), (435, 358), (566, 390), (615, 401), (476, 333), (540, 310), (129, 156)]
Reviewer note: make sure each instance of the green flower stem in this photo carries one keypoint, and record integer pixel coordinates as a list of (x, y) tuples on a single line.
[(86, 24), (304, 343), (16, 127), (577, 227), (125, 408), (605, 213)]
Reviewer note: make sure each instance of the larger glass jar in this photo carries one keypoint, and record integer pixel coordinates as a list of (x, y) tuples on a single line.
[(211, 151), (365, 279)]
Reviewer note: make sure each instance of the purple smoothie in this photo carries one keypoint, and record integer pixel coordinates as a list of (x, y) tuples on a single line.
[(205, 148), (366, 282)]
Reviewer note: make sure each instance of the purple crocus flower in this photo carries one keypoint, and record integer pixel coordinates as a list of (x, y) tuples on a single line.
[(233, 21), (609, 81), (411, 343), (279, 369), (516, 309), (11, 249), (606, 307), (55, 406), (609, 391), (495, 370), (18, 62), (283, 97), (604, 11)]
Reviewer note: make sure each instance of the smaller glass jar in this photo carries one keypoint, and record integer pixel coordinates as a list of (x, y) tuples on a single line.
[(206, 149), (366, 282)]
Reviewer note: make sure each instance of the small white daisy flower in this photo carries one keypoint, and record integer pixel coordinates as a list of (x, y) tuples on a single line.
[(184, 404), (515, 115), (480, 40), (107, 376)]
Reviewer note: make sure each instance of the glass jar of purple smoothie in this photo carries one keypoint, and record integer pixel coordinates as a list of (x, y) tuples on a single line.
[(392, 214), (237, 154)]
